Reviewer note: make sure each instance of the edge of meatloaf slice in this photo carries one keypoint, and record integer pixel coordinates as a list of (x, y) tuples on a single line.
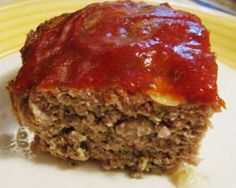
[(114, 127)]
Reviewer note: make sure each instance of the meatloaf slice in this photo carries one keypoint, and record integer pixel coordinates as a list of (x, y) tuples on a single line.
[(114, 127), (128, 84)]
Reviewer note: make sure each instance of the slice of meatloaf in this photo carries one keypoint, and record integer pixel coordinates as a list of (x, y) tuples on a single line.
[(128, 84)]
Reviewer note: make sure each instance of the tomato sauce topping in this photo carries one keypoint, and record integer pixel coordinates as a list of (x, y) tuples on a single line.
[(133, 46)]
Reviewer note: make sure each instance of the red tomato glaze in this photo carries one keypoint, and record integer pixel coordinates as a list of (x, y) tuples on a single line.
[(134, 46)]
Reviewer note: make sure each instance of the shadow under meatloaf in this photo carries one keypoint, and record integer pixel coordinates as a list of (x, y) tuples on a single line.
[(119, 129)]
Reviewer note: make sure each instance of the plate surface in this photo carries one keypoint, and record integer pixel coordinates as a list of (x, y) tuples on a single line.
[(217, 168)]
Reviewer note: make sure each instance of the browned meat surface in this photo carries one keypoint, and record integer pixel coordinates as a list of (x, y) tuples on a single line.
[(114, 127)]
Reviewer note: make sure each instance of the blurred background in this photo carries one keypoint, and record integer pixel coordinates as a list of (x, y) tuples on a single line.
[(227, 6)]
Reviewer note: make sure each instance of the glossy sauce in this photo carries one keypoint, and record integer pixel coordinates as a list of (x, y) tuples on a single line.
[(133, 46)]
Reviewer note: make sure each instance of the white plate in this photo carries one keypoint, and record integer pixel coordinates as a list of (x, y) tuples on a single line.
[(216, 169)]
